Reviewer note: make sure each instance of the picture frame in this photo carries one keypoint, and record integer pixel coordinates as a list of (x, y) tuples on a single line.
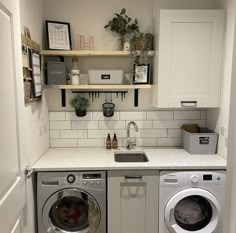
[(141, 74), (36, 74), (58, 35)]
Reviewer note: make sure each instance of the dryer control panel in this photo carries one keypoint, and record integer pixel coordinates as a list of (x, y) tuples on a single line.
[(192, 178)]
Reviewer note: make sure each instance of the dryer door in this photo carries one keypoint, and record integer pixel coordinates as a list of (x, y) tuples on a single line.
[(71, 210), (193, 210)]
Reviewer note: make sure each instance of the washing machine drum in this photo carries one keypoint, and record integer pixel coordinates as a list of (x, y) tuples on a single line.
[(193, 210), (71, 210)]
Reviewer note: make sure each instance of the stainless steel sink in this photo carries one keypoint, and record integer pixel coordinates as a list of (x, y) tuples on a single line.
[(130, 157)]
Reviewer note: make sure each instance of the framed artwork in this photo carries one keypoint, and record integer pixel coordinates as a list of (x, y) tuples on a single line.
[(141, 74), (58, 35), (36, 75)]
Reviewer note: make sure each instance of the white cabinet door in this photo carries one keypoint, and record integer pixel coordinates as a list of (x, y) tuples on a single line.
[(190, 58), (12, 184), (132, 201)]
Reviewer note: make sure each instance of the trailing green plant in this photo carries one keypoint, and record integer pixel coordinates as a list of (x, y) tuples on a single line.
[(122, 24), (138, 48), (79, 103)]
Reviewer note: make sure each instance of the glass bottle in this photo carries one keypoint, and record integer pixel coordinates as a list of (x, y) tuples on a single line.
[(75, 72), (114, 142), (108, 142)]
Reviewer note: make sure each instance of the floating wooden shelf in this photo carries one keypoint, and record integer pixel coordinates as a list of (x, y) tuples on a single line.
[(100, 87), (85, 53)]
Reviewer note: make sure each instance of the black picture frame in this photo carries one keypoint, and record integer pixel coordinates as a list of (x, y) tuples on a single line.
[(58, 35), (35, 67), (141, 74)]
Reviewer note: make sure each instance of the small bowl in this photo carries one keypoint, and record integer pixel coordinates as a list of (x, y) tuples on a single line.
[(108, 109)]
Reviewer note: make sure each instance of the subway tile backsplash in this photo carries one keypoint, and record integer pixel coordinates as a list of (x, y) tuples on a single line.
[(156, 128)]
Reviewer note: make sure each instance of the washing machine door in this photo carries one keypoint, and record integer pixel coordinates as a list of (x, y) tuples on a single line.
[(193, 210), (71, 210)]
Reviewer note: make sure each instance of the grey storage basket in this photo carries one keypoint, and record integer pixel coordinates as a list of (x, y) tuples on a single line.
[(204, 142)]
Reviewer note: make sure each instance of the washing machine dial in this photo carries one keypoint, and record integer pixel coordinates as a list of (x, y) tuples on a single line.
[(71, 179), (194, 179)]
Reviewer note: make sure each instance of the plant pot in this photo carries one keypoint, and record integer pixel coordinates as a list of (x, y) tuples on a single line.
[(108, 109), (80, 113)]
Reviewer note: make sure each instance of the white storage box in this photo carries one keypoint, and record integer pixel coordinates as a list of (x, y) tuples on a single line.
[(204, 142), (106, 77)]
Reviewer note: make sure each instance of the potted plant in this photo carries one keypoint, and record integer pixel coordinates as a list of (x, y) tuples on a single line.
[(123, 25), (140, 45), (80, 104)]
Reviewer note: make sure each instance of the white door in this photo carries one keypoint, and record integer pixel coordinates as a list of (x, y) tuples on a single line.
[(12, 184), (190, 58)]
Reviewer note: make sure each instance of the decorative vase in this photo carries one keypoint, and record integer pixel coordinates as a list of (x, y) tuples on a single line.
[(121, 43), (80, 113)]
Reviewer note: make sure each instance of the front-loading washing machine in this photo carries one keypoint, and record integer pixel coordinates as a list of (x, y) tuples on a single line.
[(191, 201), (71, 202)]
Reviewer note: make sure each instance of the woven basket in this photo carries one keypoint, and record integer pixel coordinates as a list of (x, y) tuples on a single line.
[(27, 89)]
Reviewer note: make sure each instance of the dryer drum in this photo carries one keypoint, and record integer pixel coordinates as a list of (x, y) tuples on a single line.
[(193, 213)]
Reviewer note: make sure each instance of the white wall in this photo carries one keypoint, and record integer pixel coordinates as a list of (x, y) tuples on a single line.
[(89, 17), (218, 119), (36, 114)]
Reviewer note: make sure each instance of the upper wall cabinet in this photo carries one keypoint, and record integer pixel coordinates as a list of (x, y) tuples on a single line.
[(190, 58)]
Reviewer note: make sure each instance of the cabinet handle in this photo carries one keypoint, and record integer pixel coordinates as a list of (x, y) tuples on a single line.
[(189, 103), (133, 177)]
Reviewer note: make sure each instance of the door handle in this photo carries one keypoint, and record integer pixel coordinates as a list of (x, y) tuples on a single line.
[(189, 104), (28, 172), (133, 177)]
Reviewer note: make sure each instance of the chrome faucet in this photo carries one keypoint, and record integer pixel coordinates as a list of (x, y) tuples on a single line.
[(131, 143)]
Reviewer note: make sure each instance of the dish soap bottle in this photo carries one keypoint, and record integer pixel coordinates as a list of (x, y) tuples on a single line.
[(114, 142), (108, 142), (75, 72)]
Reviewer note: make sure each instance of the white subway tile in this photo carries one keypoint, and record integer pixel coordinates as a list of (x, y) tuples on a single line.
[(74, 133), (174, 133), (169, 142), (54, 134), (60, 124), (121, 133), (185, 115), (72, 116), (160, 115), (151, 133), (91, 143), (146, 142), (63, 142), (203, 115), (165, 124), (201, 123), (142, 124), (57, 116), (84, 124), (111, 124), (99, 116), (99, 133), (132, 116)]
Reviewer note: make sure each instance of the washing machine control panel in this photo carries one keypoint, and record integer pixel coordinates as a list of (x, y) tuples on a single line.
[(71, 179), (84, 179), (194, 179)]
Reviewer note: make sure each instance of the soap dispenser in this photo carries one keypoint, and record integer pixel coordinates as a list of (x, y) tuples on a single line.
[(114, 142), (108, 142)]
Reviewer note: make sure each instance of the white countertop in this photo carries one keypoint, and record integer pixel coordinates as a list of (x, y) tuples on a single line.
[(58, 159)]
